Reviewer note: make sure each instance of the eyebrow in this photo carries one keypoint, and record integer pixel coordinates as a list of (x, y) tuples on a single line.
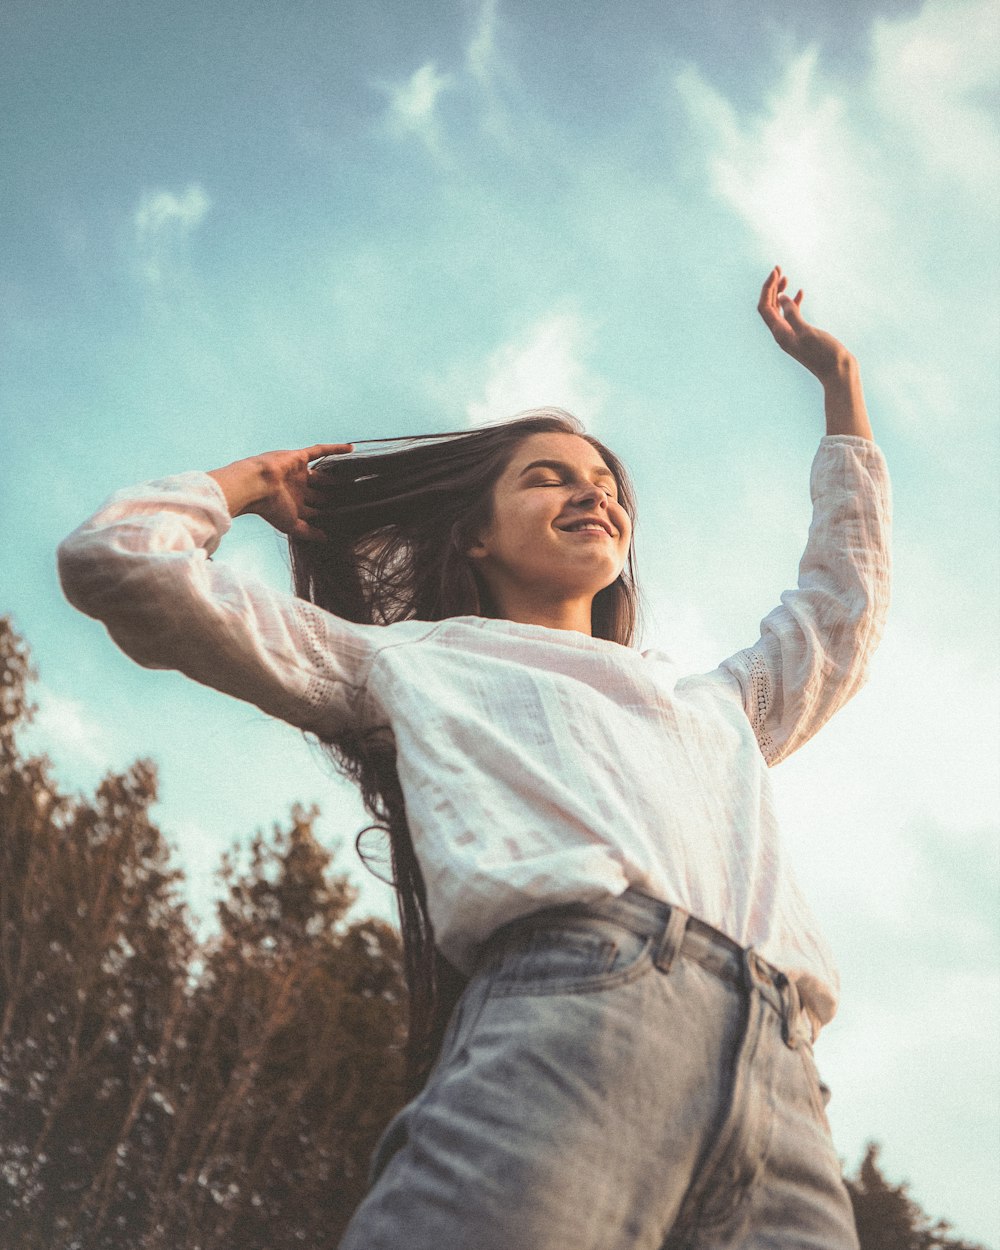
[(560, 466)]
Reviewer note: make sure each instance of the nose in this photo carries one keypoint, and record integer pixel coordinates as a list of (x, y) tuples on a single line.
[(589, 493)]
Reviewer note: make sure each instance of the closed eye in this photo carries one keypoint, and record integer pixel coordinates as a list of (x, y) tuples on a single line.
[(558, 482)]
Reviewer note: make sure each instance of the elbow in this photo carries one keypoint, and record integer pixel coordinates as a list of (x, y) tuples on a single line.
[(867, 625), (88, 574), (75, 571), (854, 627), (112, 585), (847, 662), (117, 598)]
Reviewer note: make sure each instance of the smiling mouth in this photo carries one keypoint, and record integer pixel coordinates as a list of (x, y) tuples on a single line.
[(588, 527)]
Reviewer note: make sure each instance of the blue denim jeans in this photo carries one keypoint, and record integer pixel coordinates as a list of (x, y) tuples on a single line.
[(614, 1077)]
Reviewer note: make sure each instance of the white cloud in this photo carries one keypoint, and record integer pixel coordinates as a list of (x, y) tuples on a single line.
[(480, 55), (933, 75), (542, 367), (484, 66), (413, 105), (827, 172), (943, 768), (163, 221), (881, 196), (160, 211), (63, 729), (796, 176)]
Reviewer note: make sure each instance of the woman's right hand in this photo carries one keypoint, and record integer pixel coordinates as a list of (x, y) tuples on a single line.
[(275, 486)]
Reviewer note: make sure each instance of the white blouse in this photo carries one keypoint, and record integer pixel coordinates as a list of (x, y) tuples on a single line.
[(538, 766)]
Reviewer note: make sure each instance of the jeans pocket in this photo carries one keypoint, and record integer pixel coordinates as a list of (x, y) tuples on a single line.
[(570, 958)]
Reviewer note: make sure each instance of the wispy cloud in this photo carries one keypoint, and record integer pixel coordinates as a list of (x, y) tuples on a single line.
[(163, 221), (794, 174), (881, 193), (63, 729), (933, 76), (413, 106), (545, 365), (480, 55), (413, 109), (487, 70), (828, 173)]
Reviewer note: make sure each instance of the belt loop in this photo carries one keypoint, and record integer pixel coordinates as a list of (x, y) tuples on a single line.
[(673, 936), (757, 971), (751, 968), (791, 1006)]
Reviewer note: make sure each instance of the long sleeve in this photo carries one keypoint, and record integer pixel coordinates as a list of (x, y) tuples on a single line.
[(814, 649), (141, 564)]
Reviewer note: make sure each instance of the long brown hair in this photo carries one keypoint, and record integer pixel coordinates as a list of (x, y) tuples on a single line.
[(399, 522)]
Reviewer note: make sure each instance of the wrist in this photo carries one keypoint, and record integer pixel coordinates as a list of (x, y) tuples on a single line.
[(842, 373), (244, 484), (844, 400)]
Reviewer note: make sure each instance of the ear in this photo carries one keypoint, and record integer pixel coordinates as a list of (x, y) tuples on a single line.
[(478, 548), (472, 535)]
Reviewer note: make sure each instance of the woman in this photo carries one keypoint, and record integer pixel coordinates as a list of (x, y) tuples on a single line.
[(580, 837)]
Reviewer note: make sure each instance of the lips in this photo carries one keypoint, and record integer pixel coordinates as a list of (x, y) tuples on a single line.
[(581, 522)]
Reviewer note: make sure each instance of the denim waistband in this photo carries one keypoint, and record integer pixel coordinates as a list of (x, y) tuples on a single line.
[(675, 932)]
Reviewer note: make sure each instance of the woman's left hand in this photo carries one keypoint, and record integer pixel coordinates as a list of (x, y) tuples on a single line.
[(819, 352)]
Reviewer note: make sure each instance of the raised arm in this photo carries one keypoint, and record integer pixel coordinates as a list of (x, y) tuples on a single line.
[(814, 648), (275, 486), (142, 565), (820, 353)]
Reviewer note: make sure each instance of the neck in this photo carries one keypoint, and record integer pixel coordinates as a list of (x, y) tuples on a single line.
[(564, 614)]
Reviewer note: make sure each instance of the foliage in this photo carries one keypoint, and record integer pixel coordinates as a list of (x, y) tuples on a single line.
[(154, 1092), (887, 1218)]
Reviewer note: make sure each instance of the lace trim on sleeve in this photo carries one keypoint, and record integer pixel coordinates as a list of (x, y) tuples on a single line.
[(757, 695), (320, 656)]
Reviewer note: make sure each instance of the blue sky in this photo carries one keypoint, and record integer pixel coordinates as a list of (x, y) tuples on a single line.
[(237, 227)]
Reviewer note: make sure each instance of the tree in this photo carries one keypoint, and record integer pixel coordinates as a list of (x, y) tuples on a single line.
[(155, 1093), (94, 948), (887, 1218), (291, 1062)]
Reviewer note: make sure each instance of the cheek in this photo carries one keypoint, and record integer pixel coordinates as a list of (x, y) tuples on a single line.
[(510, 527), (624, 524)]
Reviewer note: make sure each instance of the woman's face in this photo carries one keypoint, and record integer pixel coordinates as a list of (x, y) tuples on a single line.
[(557, 533)]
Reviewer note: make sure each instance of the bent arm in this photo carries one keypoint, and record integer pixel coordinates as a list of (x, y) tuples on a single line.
[(142, 565), (814, 650)]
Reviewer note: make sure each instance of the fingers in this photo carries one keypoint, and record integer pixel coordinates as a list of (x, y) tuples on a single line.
[(327, 449), (774, 285), (768, 290), (790, 311), (302, 529), (780, 311), (767, 305)]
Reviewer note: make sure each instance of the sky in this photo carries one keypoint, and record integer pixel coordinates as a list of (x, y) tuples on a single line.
[(236, 227)]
